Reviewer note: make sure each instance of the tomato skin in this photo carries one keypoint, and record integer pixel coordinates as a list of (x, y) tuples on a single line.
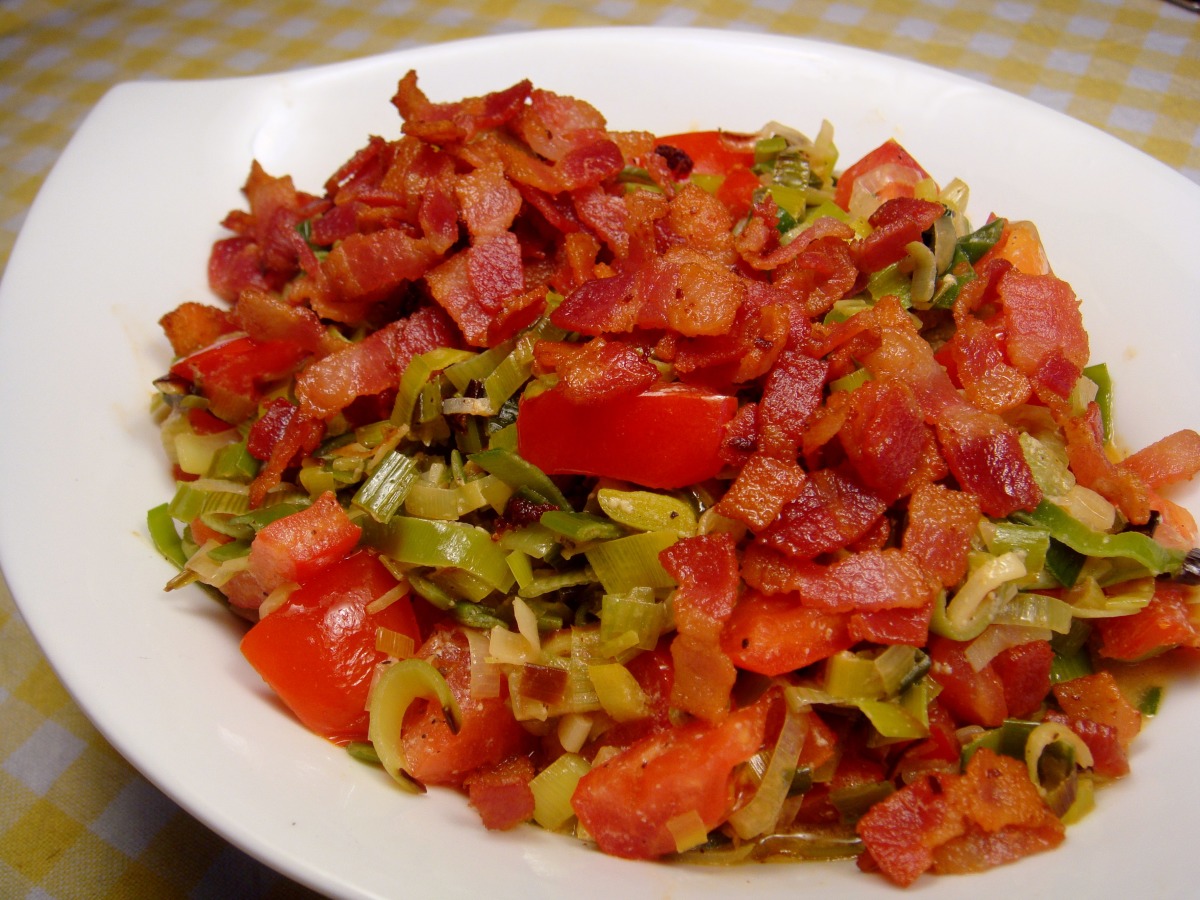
[(684, 769), (666, 437), (711, 152), (719, 153), (1162, 625), (887, 153), (772, 635), (230, 373), (972, 698), (317, 651)]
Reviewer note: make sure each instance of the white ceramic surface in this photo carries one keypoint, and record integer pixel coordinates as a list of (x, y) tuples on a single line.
[(120, 234)]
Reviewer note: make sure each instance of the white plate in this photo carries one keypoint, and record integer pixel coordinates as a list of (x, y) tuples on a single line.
[(120, 234)]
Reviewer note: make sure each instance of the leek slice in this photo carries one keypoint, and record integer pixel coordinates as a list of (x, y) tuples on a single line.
[(635, 612), (415, 378), (581, 528), (390, 697), (164, 535), (618, 691), (552, 790), (762, 812), (631, 562), (522, 475), (648, 511), (971, 609), (1133, 545), (424, 542), (384, 492), (208, 495)]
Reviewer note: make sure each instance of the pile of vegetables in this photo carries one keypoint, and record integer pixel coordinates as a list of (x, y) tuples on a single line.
[(677, 492)]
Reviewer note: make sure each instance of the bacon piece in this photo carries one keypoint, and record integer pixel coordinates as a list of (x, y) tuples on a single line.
[(551, 124), (369, 267), (896, 223), (831, 512), (983, 452), (265, 317), (886, 438), (709, 294), (820, 275), (865, 581), (701, 221), (941, 524), (474, 283), (706, 569), (989, 815), (501, 794), (233, 266), (1098, 697), (458, 121), (1121, 486), (761, 489), (822, 228), (601, 369), (280, 437), (1044, 335), (193, 326), (989, 381), (488, 200), (375, 364), (892, 626), (1109, 758), (791, 394), (1167, 461)]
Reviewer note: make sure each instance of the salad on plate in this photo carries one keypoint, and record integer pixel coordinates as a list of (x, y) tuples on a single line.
[(691, 494)]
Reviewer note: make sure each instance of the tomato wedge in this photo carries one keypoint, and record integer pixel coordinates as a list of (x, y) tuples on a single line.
[(667, 437), (317, 651), (627, 802), (892, 170), (718, 153)]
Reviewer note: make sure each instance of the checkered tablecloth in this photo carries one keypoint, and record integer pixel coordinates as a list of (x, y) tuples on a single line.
[(75, 819)]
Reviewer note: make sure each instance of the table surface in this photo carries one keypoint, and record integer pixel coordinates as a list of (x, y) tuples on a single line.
[(75, 819)]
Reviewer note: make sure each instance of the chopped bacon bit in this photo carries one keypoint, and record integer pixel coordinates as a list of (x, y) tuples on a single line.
[(941, 524), (1099, 698), (192, 326), (1167, 461), (501, 794), (762, 488), (602, 370), (989, 815), (830, 512)]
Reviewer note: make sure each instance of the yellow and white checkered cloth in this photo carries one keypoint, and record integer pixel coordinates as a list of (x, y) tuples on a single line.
[(75, 819)]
